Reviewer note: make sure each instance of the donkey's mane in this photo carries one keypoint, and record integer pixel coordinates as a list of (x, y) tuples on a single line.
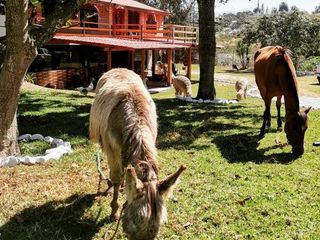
[(138, 142)]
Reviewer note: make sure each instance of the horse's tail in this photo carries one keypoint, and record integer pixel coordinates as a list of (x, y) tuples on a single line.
[(138, 135)]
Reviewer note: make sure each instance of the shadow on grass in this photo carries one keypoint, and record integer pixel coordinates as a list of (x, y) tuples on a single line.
[(63, 219), (61, 115), (244, 148), (181, 124)]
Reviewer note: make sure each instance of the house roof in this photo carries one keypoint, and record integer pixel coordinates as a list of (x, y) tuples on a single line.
[(134, 4), (116, 42)]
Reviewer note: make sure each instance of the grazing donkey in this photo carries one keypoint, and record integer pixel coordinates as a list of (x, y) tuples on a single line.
[(123, 120), (182, 85)]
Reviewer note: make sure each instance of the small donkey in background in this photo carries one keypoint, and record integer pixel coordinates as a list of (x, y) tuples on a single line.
[(123, 120)]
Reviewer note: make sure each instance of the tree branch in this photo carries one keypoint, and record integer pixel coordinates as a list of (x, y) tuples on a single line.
[(63, 11)]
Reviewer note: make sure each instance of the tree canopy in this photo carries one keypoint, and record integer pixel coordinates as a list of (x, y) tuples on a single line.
[(297, 30)]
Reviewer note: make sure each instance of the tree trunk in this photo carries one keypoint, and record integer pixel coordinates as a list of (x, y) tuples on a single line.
[(207, 49), (21, 49), (19, 54)]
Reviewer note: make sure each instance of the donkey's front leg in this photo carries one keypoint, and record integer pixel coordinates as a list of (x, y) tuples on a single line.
[(115, 212)]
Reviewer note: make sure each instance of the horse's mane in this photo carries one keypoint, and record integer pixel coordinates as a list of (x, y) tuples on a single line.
[(286, 58)]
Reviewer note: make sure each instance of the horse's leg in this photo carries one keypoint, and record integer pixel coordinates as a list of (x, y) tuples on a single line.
[(266, 118), (278, 103)]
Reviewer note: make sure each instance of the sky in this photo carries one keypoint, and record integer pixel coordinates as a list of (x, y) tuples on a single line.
[(243, 5)]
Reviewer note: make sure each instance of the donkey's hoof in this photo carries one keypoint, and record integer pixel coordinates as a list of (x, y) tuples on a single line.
[(279, 129), (114, 217)]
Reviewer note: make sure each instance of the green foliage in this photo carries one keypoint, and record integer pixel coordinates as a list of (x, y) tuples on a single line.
[(30, 77), (310, 63), (35, 148), (243, 53), (297, 30), (181, 10), (35, 3)]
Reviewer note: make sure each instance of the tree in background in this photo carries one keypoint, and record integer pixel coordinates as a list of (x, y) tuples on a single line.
[(283, 7), (297, 30), (180, 9), (19, 50), (243, 54), (317, 9)]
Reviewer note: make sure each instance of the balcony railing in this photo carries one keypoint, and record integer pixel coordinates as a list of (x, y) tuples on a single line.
[(176, 34)]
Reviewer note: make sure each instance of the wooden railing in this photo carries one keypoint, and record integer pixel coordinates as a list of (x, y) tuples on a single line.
[(168, 33)]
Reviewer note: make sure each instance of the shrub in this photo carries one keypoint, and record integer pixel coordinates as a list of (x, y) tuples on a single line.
[(310, 63)]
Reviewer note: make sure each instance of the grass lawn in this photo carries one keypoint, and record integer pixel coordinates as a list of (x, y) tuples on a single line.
[(235, 187)]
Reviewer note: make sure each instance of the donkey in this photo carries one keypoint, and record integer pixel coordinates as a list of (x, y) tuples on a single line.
[(123, 120)]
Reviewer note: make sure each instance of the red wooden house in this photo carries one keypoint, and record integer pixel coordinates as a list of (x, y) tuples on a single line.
[(105, 34)]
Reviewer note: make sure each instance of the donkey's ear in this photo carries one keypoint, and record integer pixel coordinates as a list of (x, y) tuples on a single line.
[(307, 110), (133, 186), (165, 185)]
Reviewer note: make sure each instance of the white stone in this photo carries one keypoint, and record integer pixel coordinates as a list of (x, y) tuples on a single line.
[(48, 139), (29, 160), (11, 161), (40, 159), (188, 99), (24, 137), (53, 155), (37, 137), (56, 141), (206, 101)]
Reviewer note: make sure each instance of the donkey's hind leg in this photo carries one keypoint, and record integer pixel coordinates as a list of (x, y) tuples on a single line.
[(279, 122)]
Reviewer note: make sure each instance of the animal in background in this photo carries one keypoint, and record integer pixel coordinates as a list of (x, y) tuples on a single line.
[(276, 77), (241, 89), (86, 90), (182, 86), (123, 120)]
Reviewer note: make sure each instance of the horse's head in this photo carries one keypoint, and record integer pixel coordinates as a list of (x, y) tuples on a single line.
[(145, 209), (295, 128)]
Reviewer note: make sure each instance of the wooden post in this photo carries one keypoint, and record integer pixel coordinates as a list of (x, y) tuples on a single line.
[(169, 72), (143, 59), (189, 63), (153, 62), (109, 59), (132, 60)]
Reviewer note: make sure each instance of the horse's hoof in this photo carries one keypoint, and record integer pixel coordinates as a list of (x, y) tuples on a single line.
[(279, 129), (114, 217), (261, 135)]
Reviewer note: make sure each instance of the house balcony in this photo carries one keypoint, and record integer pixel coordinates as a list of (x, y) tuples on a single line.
[(167, 33)]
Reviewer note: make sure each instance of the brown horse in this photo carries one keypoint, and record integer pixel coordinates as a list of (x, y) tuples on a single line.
[(123, 120), (276, 77)]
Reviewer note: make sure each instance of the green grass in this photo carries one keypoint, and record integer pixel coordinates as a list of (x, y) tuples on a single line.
[(235, 186)]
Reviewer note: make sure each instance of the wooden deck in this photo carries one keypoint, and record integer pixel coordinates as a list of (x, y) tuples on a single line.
[(168, 33)]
